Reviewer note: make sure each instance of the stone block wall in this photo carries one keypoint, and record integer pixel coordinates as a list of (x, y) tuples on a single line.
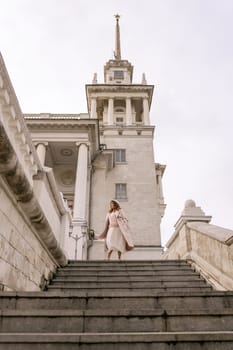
[(24, 262), (208, 247)]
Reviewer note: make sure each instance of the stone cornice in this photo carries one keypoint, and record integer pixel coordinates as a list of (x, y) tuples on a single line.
[(118, 89), (121, 86), (58, 126), (52, 116), (62, 123)]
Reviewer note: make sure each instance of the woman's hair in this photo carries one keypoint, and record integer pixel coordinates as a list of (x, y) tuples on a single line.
[(116, 206)]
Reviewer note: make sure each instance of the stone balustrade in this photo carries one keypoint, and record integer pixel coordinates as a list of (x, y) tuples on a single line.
[(208, 247), (12, 121), (30, 249)]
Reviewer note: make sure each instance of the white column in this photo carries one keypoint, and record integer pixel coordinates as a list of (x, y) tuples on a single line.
[(41, 151), (146, 111), (129, 120), (80, 203), (110, 111), (81, 183), (93, 108)]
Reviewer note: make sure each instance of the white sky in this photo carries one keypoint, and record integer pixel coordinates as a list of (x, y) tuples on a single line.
[(52, 48)]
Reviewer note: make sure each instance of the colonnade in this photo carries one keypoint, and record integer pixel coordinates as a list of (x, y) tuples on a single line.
[(129, 113)]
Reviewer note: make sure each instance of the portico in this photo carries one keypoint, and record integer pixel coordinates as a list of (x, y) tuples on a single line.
[(68, 150)]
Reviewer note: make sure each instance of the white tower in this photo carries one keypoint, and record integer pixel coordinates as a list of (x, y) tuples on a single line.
[(125, 169)]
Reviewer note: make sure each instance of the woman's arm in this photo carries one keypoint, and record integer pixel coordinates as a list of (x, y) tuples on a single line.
[(105, 231)]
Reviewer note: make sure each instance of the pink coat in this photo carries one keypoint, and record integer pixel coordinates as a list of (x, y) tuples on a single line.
[(124, 227)]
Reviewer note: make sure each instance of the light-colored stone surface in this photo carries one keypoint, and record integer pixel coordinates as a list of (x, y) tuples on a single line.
[(65, 135), (29, 232), (118, 117), (22, 258), (209, 247), (138, 173), (123, 110)]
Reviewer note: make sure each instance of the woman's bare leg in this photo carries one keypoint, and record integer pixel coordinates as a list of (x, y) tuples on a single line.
[(119, 255), (109, 254)]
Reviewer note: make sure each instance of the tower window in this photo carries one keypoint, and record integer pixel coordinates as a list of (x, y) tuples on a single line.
[(119, 120), (118, 74), (121, 191), (120, 156)]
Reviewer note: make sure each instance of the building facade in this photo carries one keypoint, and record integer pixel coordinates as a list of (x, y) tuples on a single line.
[(58, 173), (123, 111), (107, 153)]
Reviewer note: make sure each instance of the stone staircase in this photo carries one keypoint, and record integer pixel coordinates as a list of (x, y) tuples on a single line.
[(133, 305)]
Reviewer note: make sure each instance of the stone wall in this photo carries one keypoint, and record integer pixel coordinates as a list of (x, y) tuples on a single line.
[(24, 263), (139, 174), (208, 247)]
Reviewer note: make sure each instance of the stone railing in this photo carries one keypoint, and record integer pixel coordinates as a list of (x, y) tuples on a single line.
[(29, 234), (209, 248)]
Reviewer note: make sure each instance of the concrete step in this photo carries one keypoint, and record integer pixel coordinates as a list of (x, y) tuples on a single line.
[(57, 288), (109, 273), (126, 262), (127, 268), (121, 320), (128, 284), (129, 278), (119, 305), (119, 341), (132, 300)]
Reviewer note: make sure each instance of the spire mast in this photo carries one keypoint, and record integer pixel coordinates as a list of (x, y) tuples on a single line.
[(117, 52)]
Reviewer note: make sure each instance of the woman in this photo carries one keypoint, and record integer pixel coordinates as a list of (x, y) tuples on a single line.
[(116, 232)]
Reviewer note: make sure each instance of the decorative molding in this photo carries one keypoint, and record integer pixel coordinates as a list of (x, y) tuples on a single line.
[(53, 126), (83, 142), (66, 152), (50, 116)]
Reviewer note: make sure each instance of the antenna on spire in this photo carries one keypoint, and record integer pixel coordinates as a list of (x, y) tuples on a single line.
[(117, 52)]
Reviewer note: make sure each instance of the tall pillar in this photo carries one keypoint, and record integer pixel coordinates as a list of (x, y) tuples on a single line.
[(110, 111), (41, 151), (129, 120), (93, 108), (80, 203), (146, 117), (81, 183)]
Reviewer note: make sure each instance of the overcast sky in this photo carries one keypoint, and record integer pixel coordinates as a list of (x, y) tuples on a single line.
[(52, 48)]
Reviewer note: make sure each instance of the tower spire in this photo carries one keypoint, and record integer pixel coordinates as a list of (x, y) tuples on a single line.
[(117, 52)]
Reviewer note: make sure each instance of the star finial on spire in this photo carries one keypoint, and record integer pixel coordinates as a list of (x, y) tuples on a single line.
[(117, 52), (117, 17)]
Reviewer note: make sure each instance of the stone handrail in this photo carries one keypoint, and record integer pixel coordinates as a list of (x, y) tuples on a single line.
[(208, 247), (19, 163), (12, 119)]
